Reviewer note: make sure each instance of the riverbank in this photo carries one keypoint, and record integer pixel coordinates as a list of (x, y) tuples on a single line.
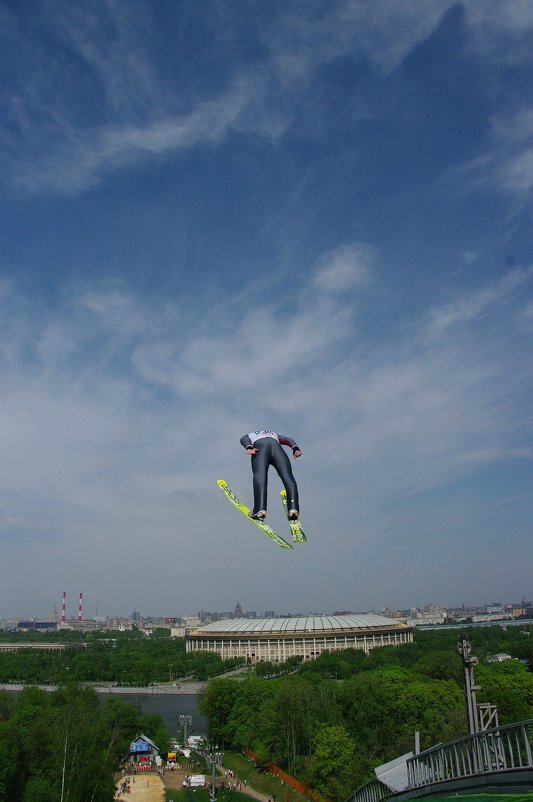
[(162, 689)]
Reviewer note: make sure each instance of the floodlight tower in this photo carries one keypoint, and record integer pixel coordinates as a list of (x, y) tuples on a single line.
[(483, 716), (213, 758), (184, 720), (469, 661)]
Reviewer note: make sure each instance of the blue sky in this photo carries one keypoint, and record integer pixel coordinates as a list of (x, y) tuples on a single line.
[(222, 216)]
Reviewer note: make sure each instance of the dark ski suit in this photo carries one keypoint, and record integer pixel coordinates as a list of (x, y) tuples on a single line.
[(270, 452)]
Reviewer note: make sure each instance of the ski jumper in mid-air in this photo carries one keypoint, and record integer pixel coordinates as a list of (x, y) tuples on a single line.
[(266, 449)]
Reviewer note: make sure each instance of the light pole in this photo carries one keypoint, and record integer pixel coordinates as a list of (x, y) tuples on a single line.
[(469, 661), (184, 720), (213, 758)]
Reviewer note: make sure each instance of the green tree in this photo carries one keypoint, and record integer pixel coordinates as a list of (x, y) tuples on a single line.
[(216, 704), (509, 686), (64, 745), (40, 789), (441, 665), (370, 709), (434, 709), (289, 719), (332, 767), (7, 705), (244, 722), (383, 709), (11, 763)]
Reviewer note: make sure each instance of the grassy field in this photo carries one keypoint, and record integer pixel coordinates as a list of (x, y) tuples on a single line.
[(261, 781), (202, 795)]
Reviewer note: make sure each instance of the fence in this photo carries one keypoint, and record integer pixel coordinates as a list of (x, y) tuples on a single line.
[(287, 779), (502, 749)]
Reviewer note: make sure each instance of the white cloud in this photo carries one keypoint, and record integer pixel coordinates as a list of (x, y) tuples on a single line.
[(527, 317), (470, 257), (502, 30), (496, 455), (114, 47), (511, 162), (346, 267), (505, 164), (112, 446), (420, 402), (16, 522), (118, 412), (77, 162), (467, 309), (53, 151)]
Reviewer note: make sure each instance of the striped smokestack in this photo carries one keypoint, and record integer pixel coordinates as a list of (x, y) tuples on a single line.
[(80, 607), (64, 607)]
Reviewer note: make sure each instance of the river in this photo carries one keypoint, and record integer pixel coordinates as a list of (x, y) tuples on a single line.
[(170, 708)]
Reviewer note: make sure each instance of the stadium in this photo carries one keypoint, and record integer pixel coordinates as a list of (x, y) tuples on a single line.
[(276, 639)]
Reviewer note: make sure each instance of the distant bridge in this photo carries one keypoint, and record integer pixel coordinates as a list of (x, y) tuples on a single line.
[(499, 622)]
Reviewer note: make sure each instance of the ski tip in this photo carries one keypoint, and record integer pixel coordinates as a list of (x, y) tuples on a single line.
[(221, 482)]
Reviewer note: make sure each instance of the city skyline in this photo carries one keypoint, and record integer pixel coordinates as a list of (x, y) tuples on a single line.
[(313, 218), (237, 610)]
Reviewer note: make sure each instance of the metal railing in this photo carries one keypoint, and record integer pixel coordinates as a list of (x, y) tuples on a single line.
[(502, 749), (373, 791)]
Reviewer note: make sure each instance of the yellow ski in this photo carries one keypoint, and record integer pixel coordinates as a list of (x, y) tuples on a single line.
[(265, 528), (298, 534)]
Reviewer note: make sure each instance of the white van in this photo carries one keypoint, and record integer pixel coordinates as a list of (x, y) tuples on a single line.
[(194, 781)]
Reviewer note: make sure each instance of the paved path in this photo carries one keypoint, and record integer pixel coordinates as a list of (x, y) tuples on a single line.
[(245, 789), (173, 779)]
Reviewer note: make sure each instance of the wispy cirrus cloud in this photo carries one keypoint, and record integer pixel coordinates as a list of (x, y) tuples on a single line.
[(16, 522), (505, 164), (346, 267), (496, 455), (423, 400), (264, 245), (469, 308), (117, 438), (511, 163), (78, 162), (111, 108)]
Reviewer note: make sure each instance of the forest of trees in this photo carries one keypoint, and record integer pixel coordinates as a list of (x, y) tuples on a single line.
[(122, 658), (328, 721), (130, 658), (66, 744), (346, 712)]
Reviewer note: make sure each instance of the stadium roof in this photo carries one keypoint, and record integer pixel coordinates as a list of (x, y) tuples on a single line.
[(301, 624)]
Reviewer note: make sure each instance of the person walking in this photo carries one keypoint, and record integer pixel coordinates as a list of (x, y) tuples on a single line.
[(265, 448)]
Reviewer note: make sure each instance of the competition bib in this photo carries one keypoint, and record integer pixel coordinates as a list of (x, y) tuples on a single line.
[(262, 433)]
